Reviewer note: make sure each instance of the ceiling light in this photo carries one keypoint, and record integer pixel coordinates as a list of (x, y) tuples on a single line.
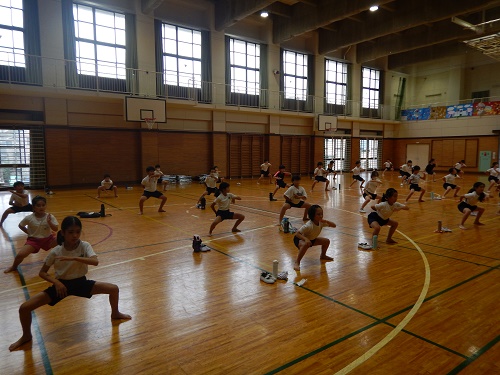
[(264, 14), (373, 8)]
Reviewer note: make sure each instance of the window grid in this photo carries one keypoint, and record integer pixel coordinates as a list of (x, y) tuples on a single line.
[(181, 56), (336, 82), (338, 149), (12, 33), (295, 75), (370, 88), (100, 42), (245, 67), (370, 153)]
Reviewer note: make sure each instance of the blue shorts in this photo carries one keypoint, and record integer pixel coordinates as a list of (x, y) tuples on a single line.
[(264, 173), (374, 217), (297, 239), (492, 178), (281, 183), (296, 205), (80, 287), (225, 214), (372, 196), (415, 187), (463, 205), (357, 177), (154, 194), (445, 186), (320, 179), (212, 190)]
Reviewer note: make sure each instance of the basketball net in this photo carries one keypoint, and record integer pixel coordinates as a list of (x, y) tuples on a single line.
[(150, 122)]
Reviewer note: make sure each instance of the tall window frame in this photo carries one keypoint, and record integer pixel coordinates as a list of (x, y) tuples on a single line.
[(181, 48), (100, 42), (370, 153), (12, 49), (244, 64), (370, 96), (336, 82), (338, 149), (295, 68)]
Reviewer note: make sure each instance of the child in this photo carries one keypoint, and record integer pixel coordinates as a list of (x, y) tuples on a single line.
[(384, 210), (404, 171), (459, 166), (164, 182), (429, 170), (331, 168), (71, 260), (493, 175), (264, 171), (449, 182), (280, 182), (19, 201), (211, 184), (413, 181), (107, 185), (370, 190), (307, 235), (223, 213), (217, 173), (468, 201), (355, 175), (387, 167), (295, 196), (38, 226), (319, 173), (149, 184)]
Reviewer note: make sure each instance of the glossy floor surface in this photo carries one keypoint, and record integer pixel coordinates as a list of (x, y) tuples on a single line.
[(426, 305)]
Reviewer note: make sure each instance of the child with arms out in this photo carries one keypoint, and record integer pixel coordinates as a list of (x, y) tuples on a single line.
[(413, 181), (38, 226), (70, 260), (355, 175), (19, 201), (449, 183), (295, 196), (468, 202), (308, 235), (107, 185), (222, 213), (279, 177), (149, 184), (265, 171), (370, 191), (319, 176)]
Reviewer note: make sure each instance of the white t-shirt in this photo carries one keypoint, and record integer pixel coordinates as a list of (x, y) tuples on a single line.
[(372, 185), (459, 166), (311, 231), (385, 210), (107, 184), (493, 172), (406, 168), (414, 179), (21, 202), (292, 191), (320, 172), (223, 201), (149, 183), (264, 167), (356, 171), (69, 270), (471, 198), (450, 178), (38, 227), (211, 181), (388, 164)]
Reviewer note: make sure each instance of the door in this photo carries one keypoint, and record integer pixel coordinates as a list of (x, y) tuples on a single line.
[(418, 154)]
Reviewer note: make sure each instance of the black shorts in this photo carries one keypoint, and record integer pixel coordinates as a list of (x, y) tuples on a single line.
[(463, 205), (492, 178), (112, 186), (296, 205), (429, 170), (357, 177), (458, 170), (403, 173), (330, 170), (388, 168), (154, 194), (297, 239), (374, 217), (212, 190), (225, 214), (264, 173), (372, 196), (445, 186), (281, 183), (415, 187), (27, 208), (320, 179), (80, 287)]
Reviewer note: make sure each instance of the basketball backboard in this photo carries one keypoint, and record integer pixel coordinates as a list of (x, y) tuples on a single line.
[(138, 109)]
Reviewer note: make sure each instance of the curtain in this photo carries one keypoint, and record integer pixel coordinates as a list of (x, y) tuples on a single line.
[(32, 42), (206, 67), (131, 62), (264, 77), (160, 86), (310, 84), (228, 69), (282, 79), (69, 43)]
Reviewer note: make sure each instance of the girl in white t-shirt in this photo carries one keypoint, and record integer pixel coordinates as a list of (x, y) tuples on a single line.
[(71, 260), (222, 213), (38, 226), (468, 203), (383, 212), (308, 235)]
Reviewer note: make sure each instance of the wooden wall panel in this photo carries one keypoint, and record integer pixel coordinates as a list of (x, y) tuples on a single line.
[(219, 152), (274, 152), (471, 152), (58, 157), (437, 151), (296, 154), (458, 149)]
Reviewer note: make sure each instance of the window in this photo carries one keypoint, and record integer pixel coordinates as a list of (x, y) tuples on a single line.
[(12, 33), (100, 42), (245, 65), (338, 149), (371, 88), (181, 56), (295, 75), (370, 152), (336, 82)]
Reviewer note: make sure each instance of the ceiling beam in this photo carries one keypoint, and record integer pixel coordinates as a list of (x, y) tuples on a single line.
[(419, 37), (148, 6), (427, 54), (306, 18), (410, 15), (228, 12)]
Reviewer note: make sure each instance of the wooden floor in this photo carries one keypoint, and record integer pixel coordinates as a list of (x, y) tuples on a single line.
[(428, 305)]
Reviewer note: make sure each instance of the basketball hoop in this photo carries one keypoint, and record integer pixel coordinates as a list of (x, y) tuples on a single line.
[(150, 122)]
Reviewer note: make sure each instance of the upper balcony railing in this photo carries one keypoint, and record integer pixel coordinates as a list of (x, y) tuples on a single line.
[(110, 78)]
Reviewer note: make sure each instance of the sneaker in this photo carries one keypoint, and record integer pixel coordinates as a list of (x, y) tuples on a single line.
[(204, 248), (267, 278), (362, 211), (334, 188), (364, 246)]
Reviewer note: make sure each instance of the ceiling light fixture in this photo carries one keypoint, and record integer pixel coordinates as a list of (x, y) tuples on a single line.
[(264, 14), (373, 8)]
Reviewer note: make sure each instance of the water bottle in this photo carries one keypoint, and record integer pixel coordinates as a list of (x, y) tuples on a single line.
[(286, 225), (432, 195), (440, 226), (375, 242), (275, 268)]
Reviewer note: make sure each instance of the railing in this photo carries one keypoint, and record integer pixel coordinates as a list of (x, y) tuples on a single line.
[(64, 74)]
